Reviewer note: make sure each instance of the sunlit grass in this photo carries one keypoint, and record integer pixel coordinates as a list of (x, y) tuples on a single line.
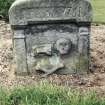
[(47, 94), (98, 10)]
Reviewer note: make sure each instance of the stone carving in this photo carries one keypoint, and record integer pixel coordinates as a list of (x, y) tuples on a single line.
[(49, 55), (51, 38), (83, 41), (42, 49), (63, 46), (49, 64), (36, 10)]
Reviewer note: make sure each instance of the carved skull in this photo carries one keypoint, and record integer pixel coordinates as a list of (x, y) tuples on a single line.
[(63, 46)]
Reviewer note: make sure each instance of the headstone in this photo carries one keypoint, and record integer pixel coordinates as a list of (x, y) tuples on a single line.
[(51, 35)]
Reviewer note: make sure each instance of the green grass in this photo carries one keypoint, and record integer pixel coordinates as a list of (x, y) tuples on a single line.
[(98, 10), (4, 7), (46, 94)]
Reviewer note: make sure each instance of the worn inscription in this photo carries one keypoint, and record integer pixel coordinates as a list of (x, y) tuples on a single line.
[(51, 12)]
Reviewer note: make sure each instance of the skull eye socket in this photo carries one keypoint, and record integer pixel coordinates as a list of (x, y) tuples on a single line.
[(63, 44)]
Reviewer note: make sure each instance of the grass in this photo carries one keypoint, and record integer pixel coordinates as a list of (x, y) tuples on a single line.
[(98, 11), (46, 94)]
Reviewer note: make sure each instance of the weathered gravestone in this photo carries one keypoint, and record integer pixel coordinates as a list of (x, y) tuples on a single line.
[(51, 35)]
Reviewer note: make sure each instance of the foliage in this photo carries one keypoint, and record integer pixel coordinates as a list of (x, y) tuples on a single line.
[(4, 7), (46, 94)]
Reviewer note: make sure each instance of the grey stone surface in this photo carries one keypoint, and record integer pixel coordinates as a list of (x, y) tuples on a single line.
[(51, 35), (44, 10), (20, 57)]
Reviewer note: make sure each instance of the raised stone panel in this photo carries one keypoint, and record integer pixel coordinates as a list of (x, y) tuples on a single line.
[(20, 57)]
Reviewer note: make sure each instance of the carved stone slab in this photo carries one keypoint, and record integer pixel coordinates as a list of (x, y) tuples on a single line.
[(24, 11), (51, 35)]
